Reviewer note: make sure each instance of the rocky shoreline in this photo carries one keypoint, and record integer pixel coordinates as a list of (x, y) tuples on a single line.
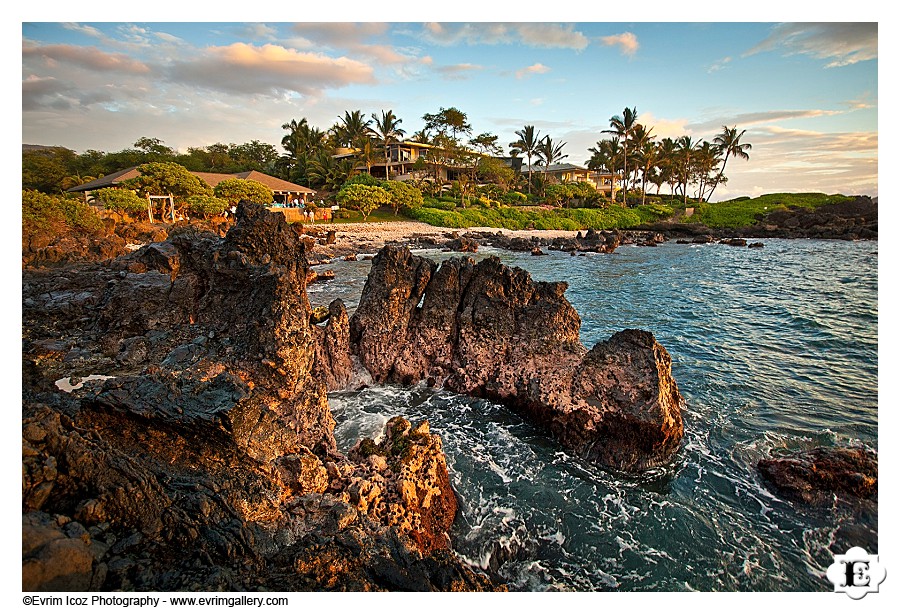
[(205, 459)]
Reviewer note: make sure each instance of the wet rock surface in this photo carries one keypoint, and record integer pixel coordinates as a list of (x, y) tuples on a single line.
[(207, 461), (819, 475), (487, 330)]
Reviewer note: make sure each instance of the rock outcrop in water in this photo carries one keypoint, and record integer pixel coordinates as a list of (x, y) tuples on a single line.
[(208, 461), (816, 476), (489, 331)]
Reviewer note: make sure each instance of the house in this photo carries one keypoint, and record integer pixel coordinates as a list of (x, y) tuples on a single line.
[(402, 158), (606, 183), (284, 191)]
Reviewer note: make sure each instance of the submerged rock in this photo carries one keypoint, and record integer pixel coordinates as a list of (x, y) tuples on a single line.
[(487, 330), (818, 475)]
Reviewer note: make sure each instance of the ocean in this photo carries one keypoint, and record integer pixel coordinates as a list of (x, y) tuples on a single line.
[(774, 349)]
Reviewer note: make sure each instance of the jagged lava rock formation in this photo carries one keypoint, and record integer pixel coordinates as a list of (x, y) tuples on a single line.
[(208, 462), (489, 331)]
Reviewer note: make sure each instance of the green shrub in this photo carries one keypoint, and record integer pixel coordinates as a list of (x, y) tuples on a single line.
[(513, 198), (206, 206), (121, 201), (363, 198), (403, 196), (235, 190), (362, 179), (57, 214)]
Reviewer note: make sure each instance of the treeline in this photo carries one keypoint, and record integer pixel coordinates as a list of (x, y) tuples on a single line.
[(56, 169), (683, 163), (691, 168)]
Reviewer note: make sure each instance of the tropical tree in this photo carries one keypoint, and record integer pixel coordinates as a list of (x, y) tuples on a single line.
[(387, 129), (366, 154), (422, 136), (363, 198), (451, 119), (121, 201), (302, 143), (486, 143), (235, 190), (640, 137), (403, 195), (646, 158), (549, 153), (729, 143), (327, 172), (163, 178), (705, 161), (685, 149), (621, 126), (154, 150), (527, 145), (353, 130)]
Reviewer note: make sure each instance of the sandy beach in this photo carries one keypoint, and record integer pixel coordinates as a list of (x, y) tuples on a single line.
[(370, 237)]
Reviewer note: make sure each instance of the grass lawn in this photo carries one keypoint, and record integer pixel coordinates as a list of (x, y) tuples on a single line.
[(742, 212), (384, 214)]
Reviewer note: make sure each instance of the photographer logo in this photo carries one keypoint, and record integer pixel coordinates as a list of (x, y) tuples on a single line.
[(856, 573)]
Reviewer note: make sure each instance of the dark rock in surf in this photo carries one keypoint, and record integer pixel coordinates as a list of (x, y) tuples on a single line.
[(488, 330), (819, 475)]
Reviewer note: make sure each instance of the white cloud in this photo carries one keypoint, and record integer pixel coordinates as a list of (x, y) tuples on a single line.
[(534, 69), (719, 64), (458, 71), (627, 42), (90, 58), (841, 43), (543, 35), (248, 69)]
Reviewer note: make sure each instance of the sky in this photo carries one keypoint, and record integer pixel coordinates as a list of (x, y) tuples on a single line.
[(806, 93)]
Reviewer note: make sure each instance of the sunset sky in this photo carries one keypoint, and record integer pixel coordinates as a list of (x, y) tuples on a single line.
[(807, 94)]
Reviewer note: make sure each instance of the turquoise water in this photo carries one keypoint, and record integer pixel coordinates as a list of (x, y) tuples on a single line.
[(772, 349)]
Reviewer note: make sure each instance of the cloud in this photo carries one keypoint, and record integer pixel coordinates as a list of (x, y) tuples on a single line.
[(662, 127), (458, 71), (719, 64), (90, 58), (544, 35), (841, 43), (169, 38), (354, 37), (257, 31), (760, 117), (247, 69), (534, 69), (626, 42), (88, 30)]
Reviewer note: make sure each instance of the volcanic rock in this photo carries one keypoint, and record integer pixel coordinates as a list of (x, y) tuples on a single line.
[(818, 475), (207, 461), (489, 331)]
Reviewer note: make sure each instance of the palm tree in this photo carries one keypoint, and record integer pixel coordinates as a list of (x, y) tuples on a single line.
[(685, 149), (550, 153), (606, 156), (668, 163), (422, 136), (387, 129), (366, 154), (729, 143), (352, 129), (706, 159), (622, 126), (647, 155), (527, 144)]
